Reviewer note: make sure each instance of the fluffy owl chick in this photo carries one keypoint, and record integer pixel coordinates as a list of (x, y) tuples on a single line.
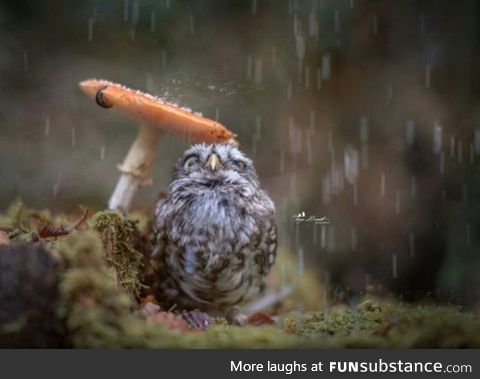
[(216, 235)]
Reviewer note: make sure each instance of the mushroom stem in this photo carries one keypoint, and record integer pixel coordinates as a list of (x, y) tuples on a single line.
[(135, 168)]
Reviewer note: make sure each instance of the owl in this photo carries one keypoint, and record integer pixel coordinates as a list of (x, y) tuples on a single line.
[(215, 233)]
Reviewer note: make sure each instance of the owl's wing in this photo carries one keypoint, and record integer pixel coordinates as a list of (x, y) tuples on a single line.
[(267, 248), (159, 231)]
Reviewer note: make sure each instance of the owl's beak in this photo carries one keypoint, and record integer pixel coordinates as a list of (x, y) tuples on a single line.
[(213, 161)]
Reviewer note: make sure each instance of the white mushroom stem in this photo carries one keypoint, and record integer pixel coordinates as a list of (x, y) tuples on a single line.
[(135, 168)]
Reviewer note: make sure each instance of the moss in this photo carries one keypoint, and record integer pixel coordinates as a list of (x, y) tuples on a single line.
[(118, 234), (248, 337), (96, 312), (12, 217), (23, 224), (99, 315), (388, 323), (14, 222)]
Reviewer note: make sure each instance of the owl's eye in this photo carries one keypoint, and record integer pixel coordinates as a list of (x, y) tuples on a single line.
[(190, 161), (240, 165)]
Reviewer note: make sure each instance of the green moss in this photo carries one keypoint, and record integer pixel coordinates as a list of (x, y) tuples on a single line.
[(388, 323), (100, 279), (13, 215), (14, 222), (23, 223), (248, 337), (98, 315), (90, 302), (117, 234)]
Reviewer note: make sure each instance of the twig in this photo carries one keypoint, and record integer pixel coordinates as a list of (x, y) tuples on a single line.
[(267, 301), (52, 231)]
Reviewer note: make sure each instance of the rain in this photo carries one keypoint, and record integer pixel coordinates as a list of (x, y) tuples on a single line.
[(362, 114)]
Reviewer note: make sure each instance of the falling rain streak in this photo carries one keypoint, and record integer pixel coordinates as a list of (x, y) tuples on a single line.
[(74, 137), (383, 185), (437, 138), (351, 162), (410, 132), (56, 185), (25, 61), (191, 24), (355, 194), (477, 141), (468, 235), (394, 266), (91, 23), (428, 74), (323, 237), (375, 24), (397, 202), (319, 79), (325, 66), (258, 71), (153, 21), (47, 127), (249, 68)]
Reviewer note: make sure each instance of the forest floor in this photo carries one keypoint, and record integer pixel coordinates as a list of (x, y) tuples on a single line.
[(77, 281)]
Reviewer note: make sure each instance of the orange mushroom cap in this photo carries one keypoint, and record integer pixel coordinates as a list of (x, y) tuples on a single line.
[(151, 110)]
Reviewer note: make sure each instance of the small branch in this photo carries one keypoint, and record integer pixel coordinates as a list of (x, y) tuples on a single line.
[(82, 219), (267, 301)]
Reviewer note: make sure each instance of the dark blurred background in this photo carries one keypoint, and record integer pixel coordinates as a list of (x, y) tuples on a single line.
[(366, 112)]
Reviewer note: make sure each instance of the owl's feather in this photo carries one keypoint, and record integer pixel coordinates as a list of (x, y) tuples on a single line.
[(216, 234)]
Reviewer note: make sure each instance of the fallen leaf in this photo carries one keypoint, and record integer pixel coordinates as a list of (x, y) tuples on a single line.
[(4, 239), (170, 320), (260, 318)]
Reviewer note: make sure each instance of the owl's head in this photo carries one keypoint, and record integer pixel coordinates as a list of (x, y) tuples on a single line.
[(218, 168)]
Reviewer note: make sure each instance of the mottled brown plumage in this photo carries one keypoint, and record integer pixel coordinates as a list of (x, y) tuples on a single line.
[(216, 234)]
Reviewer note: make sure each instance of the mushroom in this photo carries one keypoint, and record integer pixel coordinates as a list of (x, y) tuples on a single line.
[(155, 116)]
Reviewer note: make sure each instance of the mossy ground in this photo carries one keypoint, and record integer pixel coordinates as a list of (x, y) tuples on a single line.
[(100, 280)]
